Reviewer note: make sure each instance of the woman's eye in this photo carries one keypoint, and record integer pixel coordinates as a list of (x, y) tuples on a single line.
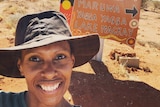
[(35, 59), (59, 57)]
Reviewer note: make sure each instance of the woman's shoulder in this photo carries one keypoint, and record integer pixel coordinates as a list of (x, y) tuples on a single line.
[(8, 99), (11, 94)]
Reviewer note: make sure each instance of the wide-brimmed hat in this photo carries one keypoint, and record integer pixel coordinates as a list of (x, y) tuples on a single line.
[(41, 29)]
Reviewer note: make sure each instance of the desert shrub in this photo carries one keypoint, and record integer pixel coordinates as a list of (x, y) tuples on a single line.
[(154, 45), (11, 20), (157, 4), (143, 2)]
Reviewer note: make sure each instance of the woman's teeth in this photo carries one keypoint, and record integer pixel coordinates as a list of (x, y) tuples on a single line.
[(50, 87)]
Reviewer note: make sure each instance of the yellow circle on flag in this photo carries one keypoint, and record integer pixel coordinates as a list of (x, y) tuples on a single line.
[(66, 4)]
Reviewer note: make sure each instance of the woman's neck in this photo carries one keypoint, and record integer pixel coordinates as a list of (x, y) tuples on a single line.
[(31, 103)]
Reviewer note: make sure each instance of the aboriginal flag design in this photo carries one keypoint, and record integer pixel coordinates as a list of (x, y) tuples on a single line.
[(66, 7)]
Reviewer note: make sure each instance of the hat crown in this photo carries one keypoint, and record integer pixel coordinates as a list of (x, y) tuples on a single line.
[(40, 25)]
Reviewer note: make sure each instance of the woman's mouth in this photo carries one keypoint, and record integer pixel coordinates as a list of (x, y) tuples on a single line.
[(50, 87)]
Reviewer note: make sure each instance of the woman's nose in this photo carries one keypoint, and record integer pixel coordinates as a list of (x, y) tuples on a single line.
[(49, 70)]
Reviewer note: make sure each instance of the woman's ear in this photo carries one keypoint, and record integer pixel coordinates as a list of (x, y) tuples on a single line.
[(20, 67), (73, 59)]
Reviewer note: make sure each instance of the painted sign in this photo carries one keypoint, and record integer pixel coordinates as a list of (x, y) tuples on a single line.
[(112, 19)]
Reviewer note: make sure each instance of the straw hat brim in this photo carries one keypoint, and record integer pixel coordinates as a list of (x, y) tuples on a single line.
[(83, 47)]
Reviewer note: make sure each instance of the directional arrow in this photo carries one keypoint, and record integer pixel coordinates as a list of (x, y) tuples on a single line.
[(133, 12)]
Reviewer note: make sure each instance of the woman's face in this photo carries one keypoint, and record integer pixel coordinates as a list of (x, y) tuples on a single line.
[(47, 71)]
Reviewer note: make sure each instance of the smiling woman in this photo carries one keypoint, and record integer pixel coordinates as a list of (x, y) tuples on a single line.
[(44, 54), (47, 71)]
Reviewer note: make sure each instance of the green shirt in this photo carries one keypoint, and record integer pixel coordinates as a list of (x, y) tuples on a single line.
[(14, 99)]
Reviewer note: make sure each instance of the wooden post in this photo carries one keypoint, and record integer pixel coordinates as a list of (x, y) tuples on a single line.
[(98, 56)]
